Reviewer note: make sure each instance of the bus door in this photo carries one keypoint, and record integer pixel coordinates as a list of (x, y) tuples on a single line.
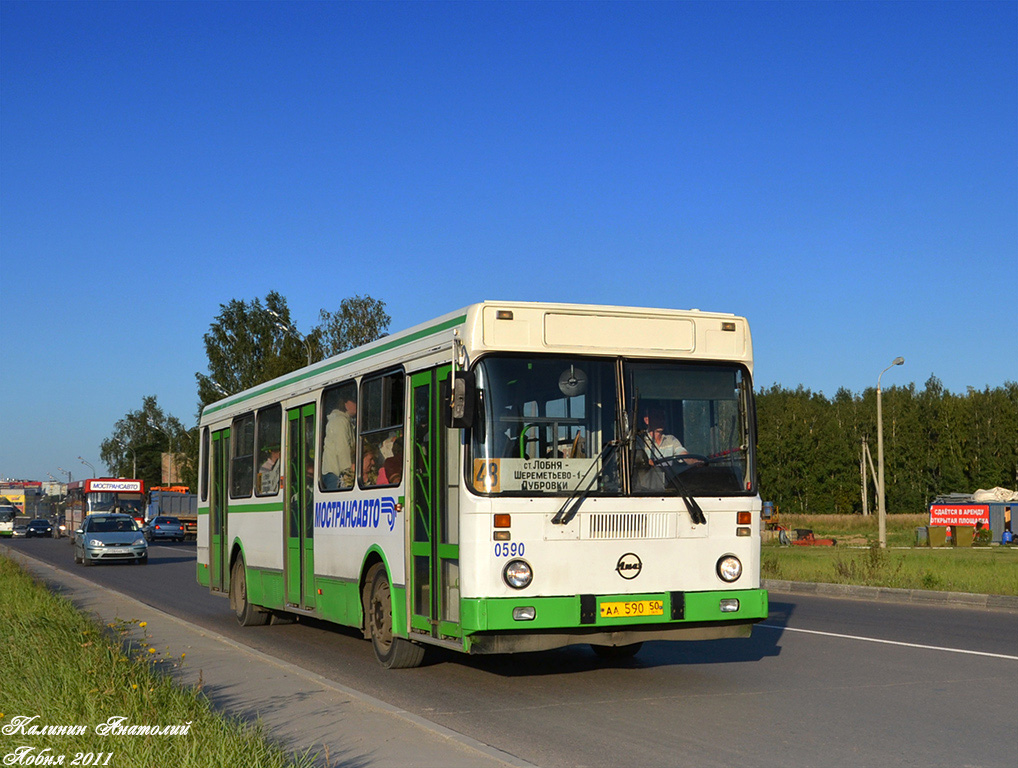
[(219, 557), (299, 519), (433, 576)]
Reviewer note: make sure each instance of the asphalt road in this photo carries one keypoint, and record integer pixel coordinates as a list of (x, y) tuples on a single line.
[(824, 681)]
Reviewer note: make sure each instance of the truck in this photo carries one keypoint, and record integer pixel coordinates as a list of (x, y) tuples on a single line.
[(175, 501)]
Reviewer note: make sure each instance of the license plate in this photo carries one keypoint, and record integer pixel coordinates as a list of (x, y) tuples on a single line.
[(632, 609), (117, 550)]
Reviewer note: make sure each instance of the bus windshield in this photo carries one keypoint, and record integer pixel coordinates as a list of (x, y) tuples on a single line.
[(7, 514), (103, 501), (551, 426)]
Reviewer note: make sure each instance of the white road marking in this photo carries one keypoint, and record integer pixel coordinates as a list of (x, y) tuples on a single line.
[(890, 642)]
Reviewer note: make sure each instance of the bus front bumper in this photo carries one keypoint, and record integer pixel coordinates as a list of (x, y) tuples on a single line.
[(507, 625)]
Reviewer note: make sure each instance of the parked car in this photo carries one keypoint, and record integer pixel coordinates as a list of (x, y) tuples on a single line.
[(39, 527), (109, 537), (164, 528)]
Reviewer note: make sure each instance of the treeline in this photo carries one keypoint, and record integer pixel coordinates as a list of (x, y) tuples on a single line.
[(935, 442)]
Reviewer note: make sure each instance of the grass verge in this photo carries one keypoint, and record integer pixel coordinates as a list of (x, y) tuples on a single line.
[(60, 667), (857, 559)]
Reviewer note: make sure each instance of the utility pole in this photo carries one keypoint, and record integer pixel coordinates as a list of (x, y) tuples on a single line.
[(862, 471), (881, 497)]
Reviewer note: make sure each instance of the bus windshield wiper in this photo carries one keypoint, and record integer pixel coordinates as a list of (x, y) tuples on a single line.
[(672, 476), (575, 500)]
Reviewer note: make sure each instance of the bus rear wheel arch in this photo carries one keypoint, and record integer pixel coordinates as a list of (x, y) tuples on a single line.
[(392, 652), (248, 614)]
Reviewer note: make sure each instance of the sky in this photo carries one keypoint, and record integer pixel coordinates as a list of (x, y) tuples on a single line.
[(845, 175)]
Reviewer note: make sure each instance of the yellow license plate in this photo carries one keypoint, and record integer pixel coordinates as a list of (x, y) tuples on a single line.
[(632, 609)]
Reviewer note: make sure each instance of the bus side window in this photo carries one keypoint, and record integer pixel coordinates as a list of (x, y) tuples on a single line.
[(242, 464), (339, 436), (205, 464), (381, 436), (270, 424)]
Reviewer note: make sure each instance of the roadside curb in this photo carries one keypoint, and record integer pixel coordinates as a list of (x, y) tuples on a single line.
[(892, 595)]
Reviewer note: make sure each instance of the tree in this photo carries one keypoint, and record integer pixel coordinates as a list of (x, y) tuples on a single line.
[(246, 345), (250, 342), (936, 442), (143, 436), (359, 320)]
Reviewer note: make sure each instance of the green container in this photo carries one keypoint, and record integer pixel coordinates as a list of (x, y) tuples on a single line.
[(936, 535), (963, 535)]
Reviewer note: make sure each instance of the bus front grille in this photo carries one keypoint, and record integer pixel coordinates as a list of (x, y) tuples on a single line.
[(626, 525)]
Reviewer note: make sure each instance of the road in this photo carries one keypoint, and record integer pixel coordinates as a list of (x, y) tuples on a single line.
[(824, 681)]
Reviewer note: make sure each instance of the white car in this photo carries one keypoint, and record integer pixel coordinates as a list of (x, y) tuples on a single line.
[(109, 537)]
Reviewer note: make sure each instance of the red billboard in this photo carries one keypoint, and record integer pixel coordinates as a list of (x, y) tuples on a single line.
[(959, 514)]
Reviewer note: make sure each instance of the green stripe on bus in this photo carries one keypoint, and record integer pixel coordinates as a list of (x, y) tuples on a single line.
[(345, 360), (241, 508)]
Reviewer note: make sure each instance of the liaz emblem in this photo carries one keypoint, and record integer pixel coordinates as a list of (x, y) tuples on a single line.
[(629, 566)]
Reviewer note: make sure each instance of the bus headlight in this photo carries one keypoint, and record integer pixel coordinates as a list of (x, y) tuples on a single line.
[(517, 574), (729, 568)]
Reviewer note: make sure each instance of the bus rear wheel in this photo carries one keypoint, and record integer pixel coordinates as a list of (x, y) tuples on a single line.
[(248, 615), (391, 652)]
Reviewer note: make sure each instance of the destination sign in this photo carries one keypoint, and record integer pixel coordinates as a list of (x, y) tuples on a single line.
[(533, 475), (115, 486)]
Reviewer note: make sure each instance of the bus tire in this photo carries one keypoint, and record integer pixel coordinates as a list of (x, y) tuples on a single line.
[(617, 652), (248, 615), (391, 652)]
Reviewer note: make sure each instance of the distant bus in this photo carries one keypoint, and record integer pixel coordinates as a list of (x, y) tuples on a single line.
[(7, 515), (103, 494), (508, 477)]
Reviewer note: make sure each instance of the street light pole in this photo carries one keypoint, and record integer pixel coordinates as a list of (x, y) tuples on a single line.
[(61, 469), (881, 498), (89, 466), (284, 326), (134, 457)]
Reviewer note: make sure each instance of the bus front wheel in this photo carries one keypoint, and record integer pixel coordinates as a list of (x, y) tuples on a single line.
[(248, 615), (391, 652)]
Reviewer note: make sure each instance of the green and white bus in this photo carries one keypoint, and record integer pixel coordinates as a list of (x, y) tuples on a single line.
[(509, 477)]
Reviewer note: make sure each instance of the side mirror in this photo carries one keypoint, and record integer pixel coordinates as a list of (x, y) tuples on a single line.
[(458, 400), (79, 531)]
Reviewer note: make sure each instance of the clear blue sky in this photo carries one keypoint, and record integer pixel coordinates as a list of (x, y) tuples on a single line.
[(843, 174)]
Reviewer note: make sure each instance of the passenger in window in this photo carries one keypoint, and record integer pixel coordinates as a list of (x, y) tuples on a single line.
[(391, 472), (388, 446), (268, 473), (338, 446), (369, 467)]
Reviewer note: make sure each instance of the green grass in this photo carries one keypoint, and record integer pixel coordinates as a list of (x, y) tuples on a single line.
[(856, 559), (59, 665)]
